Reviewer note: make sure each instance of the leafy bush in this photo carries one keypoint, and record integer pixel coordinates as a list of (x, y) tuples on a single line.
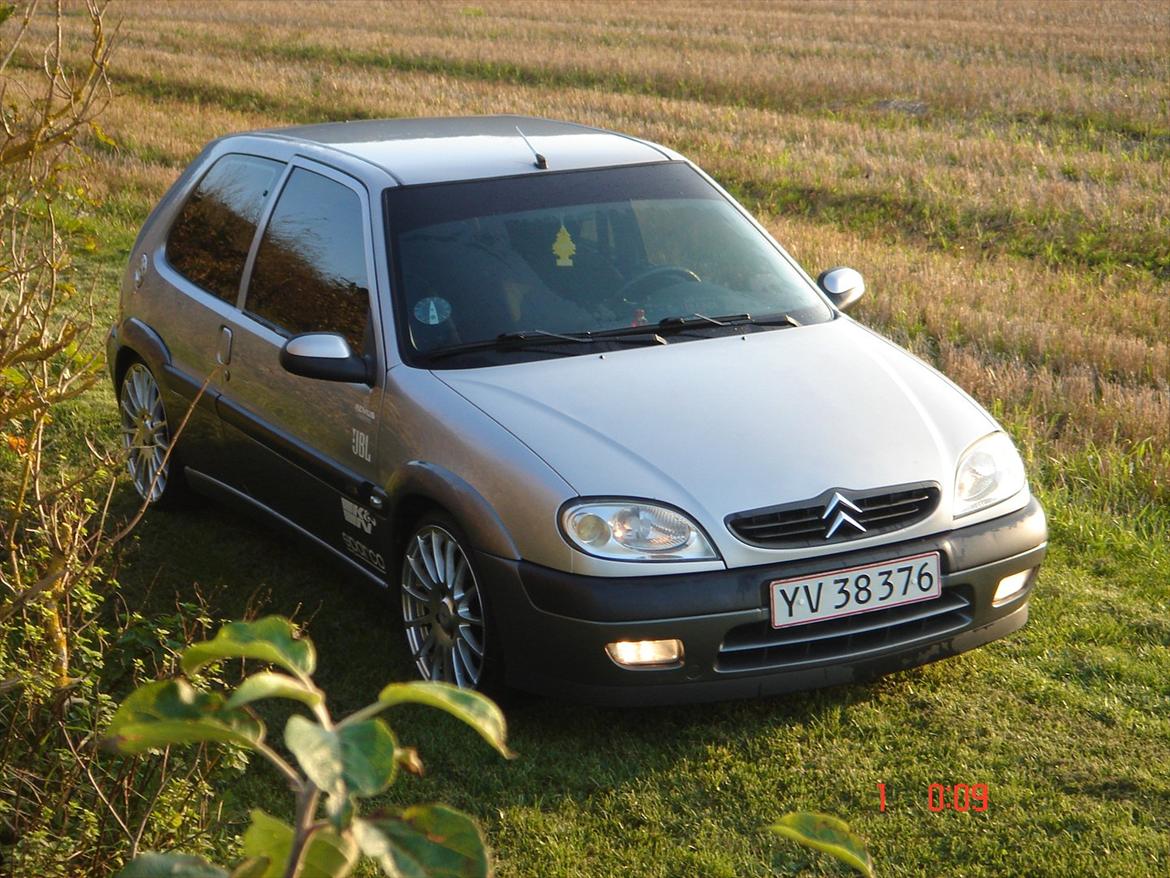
[(64, 808), (345, 761)]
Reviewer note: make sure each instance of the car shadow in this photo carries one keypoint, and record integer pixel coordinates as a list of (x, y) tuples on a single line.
[(238, 564)]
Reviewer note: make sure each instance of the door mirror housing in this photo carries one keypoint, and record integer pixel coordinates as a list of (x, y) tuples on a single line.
[(843, 286), (325, 356)]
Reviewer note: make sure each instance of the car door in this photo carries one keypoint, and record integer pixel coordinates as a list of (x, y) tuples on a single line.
[(190, 299), (307, 448)]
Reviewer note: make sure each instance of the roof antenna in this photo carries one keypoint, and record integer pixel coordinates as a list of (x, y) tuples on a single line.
[(541, 161)]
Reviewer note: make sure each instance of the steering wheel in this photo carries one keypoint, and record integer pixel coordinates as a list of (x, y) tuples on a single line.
[(658, 273)]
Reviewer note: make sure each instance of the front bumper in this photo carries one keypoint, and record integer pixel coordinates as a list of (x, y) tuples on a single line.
[(555, 625)]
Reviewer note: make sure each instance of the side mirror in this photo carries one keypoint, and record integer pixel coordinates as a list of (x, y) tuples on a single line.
[(326, 356), (844, 286)]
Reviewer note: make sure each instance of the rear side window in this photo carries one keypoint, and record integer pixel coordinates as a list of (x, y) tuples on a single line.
[(310, 271), (210, 240)]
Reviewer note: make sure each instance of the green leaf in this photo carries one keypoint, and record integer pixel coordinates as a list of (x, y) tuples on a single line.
[(478, 711), (427, 841), (253, 867), (172, 712), (368, 755), (318, 751), (354, 759), (171, 866), (270, 840), (270, 684), (826, 833), (328, 855), (272, 639)]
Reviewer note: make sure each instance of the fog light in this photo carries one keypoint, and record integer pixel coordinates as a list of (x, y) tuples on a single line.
[(646, 653), (1009, 586)]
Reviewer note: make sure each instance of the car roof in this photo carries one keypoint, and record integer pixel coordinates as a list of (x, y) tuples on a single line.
[(443, 149)]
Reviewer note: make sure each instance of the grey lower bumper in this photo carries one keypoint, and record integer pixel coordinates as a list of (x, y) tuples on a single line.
[(555, 625)]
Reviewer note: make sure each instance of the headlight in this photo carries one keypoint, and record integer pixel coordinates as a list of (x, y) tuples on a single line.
[(989, 472), (634, 531)]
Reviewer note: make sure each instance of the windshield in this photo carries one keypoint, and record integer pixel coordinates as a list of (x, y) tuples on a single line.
[(580, 252)]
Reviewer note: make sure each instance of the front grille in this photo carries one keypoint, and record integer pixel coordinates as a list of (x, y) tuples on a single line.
[(758, 646), (804, 523)]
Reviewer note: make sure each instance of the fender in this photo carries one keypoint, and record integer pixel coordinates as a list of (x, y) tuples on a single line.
[(138, 338), (418, 480), (133, 336)]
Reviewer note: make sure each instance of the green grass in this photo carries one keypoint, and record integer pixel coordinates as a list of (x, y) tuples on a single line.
[(1067, 721)]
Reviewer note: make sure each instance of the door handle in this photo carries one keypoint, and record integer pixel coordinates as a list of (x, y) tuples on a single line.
[(223, 351)]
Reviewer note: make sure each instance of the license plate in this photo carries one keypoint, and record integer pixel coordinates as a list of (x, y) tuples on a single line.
[(838, 593)]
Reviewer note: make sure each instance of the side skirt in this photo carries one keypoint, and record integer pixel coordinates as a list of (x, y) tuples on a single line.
[(205, 484)]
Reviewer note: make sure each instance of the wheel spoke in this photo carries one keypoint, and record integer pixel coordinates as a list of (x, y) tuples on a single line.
[(153, 400), (470, 663), (424, 649), (449, 562), (457, 667), (464, 611), (428, 562), (420, 596), (140, 390), (468, 637), (437, 556), (130, 391), (424, 574), (438, 666), (460, 575)]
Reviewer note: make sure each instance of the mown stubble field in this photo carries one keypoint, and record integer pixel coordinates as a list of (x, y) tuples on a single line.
[(998, 172)]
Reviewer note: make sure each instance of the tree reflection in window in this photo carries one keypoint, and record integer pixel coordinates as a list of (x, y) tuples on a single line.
[(209, 241), (310, 272)]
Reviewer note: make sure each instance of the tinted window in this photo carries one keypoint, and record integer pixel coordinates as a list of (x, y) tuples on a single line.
[(210, 240), (581, 252), (310, 272)]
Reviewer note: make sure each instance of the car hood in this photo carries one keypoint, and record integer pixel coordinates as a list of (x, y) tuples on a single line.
[(724, 425)]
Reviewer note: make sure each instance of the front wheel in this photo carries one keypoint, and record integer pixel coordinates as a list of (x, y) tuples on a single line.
[(443, 609)]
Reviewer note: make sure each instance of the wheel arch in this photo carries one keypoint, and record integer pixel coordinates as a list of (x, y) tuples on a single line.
[(419, 486), (136, 341)]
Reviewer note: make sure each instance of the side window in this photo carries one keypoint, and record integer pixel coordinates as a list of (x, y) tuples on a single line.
[(210, 239), (310, 270)]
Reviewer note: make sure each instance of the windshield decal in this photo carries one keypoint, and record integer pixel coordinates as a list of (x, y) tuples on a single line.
[(563, 247)]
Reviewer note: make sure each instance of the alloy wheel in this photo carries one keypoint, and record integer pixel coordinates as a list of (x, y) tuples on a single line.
[(144, 432), (442, 609)]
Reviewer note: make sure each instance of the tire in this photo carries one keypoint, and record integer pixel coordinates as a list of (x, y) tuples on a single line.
[(445, 615), (146, 437)]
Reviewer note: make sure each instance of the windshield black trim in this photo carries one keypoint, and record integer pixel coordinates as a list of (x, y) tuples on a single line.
[(550, 172)]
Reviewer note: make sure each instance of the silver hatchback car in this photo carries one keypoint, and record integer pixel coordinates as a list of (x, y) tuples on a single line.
[(559, 390)]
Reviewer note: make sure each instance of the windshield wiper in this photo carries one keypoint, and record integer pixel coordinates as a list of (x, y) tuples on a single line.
[(689, 319), (524, 335), (695, 321), (528, 338), (727, 320)]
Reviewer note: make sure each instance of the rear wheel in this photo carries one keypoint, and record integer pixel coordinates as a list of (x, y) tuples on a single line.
[(448, 628), (146, 436)]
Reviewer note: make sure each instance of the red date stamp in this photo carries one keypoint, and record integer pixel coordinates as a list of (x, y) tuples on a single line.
[(960, 797)]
